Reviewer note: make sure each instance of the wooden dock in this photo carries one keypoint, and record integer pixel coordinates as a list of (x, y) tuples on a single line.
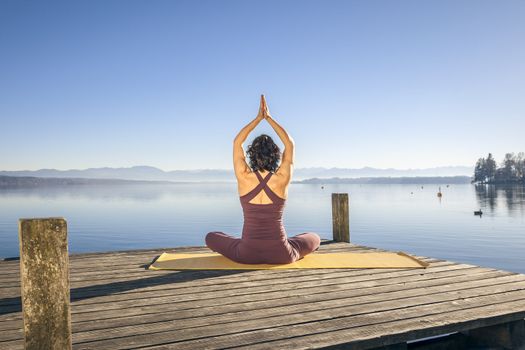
[(117, 304)]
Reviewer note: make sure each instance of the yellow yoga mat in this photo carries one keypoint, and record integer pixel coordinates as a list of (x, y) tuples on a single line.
[(344, 260)]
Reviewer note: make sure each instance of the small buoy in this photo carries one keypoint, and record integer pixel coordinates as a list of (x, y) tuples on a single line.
[(322, 187), (439, 192), (411, 192), (421, 186)]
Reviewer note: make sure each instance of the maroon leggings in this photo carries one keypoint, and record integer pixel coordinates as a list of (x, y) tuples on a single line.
[(263, 251)]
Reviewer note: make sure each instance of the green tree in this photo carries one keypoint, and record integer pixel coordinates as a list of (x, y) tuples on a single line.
[(520, 167), (480, 172), (490, 168), (507, 172)]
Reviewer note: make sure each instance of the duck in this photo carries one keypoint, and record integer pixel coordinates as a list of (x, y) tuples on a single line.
[(478, 212)]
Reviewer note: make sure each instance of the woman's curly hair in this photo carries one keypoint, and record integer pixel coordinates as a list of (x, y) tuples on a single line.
[(263, 153)]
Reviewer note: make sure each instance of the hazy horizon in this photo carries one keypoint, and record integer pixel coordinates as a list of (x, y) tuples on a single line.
[(231, 168), (148, 173)]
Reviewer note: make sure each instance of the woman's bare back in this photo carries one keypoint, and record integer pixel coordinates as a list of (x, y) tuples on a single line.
[(277, 184)]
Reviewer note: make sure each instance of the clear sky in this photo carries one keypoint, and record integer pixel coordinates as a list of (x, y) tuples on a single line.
[(404, 84)]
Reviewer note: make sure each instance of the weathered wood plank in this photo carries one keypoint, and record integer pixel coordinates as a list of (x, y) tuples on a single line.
[(257, 289), (118, 262), (249, 287), (145, 253), (299, 284), (378, 293), (380, 333), (156, 306), (355, 292), (134, 255), (208, 277), (303, 311), (379, 273), (301, 322), (116, 304), (138, 270), (139, 308), (12, 345)]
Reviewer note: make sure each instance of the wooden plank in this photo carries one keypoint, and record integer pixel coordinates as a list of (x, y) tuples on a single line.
[(201, 277), (115, 276), (12, 345), (226, 334), (385, 278), (111, 262), (123, 309), (187, 286), (353, 290), (159, 307), (226, 293), (261, 315), (199, 315), (255, 287), (331, 280), (368, 335), (325, 244), (119, 266)]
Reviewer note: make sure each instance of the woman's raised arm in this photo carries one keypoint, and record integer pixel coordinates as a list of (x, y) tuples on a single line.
[(239, 159), (289, 144)]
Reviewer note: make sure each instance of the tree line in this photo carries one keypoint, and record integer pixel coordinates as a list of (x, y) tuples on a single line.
[(511, 169)]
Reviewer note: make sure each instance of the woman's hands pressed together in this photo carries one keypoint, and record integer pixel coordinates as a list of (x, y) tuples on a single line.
[(264, 112)]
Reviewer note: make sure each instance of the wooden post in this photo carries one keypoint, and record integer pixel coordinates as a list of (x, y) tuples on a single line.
[(44, 275), (340, 217)]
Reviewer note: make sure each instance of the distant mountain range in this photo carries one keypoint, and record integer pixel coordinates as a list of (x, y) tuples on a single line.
[(147, 173), (391, 180), (32, 181)]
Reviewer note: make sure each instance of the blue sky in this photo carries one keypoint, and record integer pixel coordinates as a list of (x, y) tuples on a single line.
[(404, 84)]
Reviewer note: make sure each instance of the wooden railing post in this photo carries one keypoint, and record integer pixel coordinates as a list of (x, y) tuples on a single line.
[(340, 217), (44, 275)]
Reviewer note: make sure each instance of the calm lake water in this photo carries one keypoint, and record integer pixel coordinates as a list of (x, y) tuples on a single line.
[(396, 217)]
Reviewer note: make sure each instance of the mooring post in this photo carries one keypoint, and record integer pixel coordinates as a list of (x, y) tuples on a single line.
[(44, 275), (340, 217)]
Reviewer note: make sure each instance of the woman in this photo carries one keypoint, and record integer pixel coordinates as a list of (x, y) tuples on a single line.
[(263, 188)]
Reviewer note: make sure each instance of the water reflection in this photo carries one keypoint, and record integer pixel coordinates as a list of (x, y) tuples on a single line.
[(129, 192), (496, 198)]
